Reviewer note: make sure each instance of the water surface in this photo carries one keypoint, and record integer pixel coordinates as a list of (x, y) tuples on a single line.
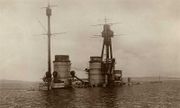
[(146, 95)]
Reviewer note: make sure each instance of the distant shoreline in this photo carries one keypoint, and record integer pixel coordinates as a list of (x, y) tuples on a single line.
[(125, 78)]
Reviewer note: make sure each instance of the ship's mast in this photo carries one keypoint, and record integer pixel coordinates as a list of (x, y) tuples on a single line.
[(48, 13), (48, 73), (108, 61), (48, 77)]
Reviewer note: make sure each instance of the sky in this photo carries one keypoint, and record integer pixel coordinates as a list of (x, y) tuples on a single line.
[(149, 45)]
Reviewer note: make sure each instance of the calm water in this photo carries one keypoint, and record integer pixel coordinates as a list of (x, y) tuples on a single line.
[(162, 95)]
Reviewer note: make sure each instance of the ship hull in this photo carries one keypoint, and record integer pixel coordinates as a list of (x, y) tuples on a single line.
[(59, 86)]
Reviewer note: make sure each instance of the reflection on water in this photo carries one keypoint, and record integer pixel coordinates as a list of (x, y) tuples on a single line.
[(81, 98), (165, 95)]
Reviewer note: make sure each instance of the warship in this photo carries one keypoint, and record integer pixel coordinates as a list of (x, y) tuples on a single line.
[(101, 70)]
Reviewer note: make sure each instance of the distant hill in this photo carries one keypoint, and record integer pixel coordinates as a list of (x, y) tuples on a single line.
[(144, 79), (17, 85), (27, 85)]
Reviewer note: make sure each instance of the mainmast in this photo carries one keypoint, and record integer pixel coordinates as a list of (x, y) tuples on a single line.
[(108, 61)]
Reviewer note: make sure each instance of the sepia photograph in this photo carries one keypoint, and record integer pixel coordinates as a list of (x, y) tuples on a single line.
[(89, 53)]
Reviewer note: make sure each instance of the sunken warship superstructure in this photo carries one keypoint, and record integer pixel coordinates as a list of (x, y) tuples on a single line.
[(101, 70)]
